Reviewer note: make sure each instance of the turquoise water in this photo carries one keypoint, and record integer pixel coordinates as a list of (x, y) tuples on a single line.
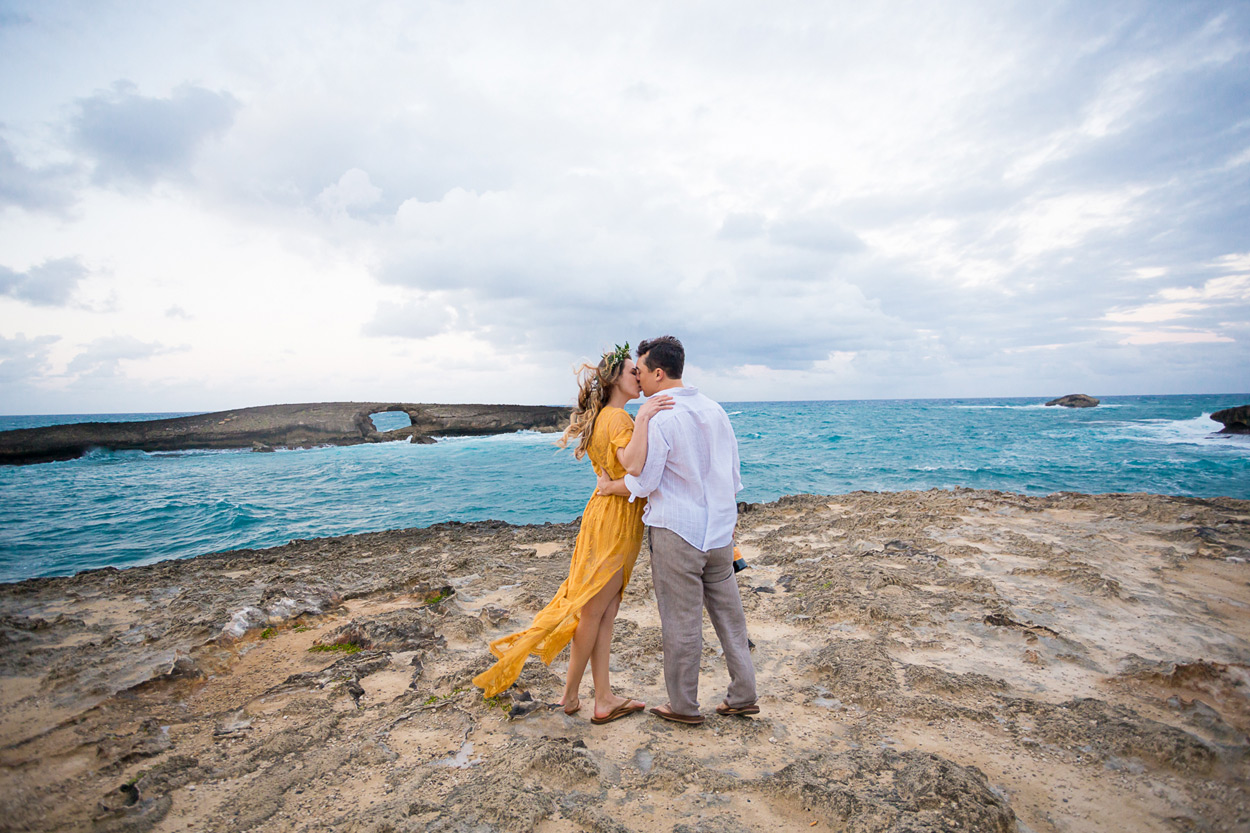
[(126, 508)]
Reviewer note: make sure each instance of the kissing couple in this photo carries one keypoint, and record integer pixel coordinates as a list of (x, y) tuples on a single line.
[(673, 473)]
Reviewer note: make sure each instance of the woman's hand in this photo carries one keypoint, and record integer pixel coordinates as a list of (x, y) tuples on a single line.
[(607, 486), (653, 405)]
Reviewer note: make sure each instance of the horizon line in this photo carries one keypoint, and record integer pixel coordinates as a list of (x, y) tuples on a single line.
[(724, 401)]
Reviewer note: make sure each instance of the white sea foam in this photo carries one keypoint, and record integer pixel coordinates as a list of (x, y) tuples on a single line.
[(517, 437), (1201, 430), (1034, 406), (196, 452)]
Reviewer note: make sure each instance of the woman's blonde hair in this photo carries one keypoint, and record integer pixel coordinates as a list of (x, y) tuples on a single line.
[(594, 383)]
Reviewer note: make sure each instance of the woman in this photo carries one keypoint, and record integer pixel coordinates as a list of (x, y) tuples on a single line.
[(584, 608)]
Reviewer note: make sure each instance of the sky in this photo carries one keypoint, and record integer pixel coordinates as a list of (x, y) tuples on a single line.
[(207, 206)]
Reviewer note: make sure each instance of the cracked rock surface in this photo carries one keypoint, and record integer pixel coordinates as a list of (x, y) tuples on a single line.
[(927, 661)]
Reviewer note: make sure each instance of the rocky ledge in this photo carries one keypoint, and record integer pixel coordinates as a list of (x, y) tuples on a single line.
[(269, 426), (1075, 400), (1235, 420), (927, 661)]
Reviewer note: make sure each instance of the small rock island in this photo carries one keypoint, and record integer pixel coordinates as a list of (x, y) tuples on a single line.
[(1075, 400), (265, 427)]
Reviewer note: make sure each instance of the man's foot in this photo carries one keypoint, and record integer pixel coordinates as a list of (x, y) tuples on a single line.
[(666, 713), (621, 709), (726, 709)]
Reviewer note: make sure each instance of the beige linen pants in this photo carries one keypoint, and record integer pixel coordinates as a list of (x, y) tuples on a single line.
[(686, 581)]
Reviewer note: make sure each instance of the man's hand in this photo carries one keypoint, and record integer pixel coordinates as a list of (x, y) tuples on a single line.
[(603, 483), (653, 405)]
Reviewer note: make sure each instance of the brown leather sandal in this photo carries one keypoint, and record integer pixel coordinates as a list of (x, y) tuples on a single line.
[(726, 709), (628, 707), (674, 717)]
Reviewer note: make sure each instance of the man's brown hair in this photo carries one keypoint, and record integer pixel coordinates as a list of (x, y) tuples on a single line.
[(663, 353)]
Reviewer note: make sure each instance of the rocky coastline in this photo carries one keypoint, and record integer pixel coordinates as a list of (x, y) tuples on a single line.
[(267, 427), (928, 661)]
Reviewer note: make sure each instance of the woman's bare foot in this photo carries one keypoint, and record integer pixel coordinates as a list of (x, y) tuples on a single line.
[(612, 703), (572, 708)]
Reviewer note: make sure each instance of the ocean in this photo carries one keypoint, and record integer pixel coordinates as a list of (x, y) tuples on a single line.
[(126, 508)]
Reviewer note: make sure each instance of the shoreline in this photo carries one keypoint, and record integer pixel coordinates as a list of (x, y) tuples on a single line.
[(575, 521), (1045, 659)]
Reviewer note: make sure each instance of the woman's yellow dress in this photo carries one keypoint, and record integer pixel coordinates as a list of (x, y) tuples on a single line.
[(609, 540)]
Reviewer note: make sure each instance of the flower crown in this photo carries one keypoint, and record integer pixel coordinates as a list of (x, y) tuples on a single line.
[(617, 356)]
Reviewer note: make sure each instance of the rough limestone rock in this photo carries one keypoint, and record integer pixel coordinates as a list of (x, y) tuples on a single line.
[(270, 426), (929, 662), (1075, 400), (1235, 420), (881, 791)]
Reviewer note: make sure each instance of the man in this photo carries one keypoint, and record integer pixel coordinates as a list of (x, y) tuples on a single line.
[(691, 480)]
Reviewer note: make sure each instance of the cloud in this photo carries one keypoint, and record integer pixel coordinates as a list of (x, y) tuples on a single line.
[(51, 283), (23, 359), (413, 319), (1173, 336), (933, 198), (103, 356), (817, 233), (1201, 312), (134, 138), (1155, 313), (741, 226), (524, 271), (47, 188), (1230, 287), (354, 190)]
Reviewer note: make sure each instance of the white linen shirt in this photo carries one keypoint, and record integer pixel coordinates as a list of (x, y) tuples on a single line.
[(691, 478)]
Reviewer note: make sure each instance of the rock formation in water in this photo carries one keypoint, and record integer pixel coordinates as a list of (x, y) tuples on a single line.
[(1235, 420), (1075, 400), (269, 426)]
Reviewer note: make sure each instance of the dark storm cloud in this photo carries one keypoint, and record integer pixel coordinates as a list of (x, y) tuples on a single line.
[(50, 284), (137, 138)]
